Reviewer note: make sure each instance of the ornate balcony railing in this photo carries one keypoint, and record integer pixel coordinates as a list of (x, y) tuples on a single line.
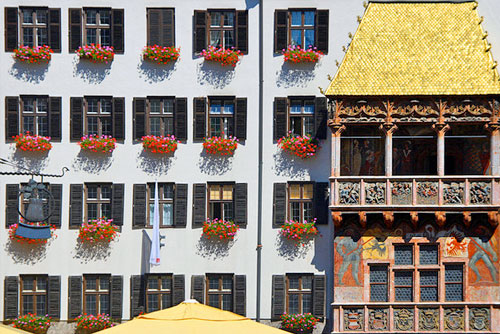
[(415, 193)]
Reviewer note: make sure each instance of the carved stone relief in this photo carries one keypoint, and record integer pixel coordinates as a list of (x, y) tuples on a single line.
[(427, 192), (454, 319), (479, 319), (401, 192), (378, 319), (375, 193), (480, 193), (403, 319), (349, 193), (428, 319), (354, 319), (453, 193)]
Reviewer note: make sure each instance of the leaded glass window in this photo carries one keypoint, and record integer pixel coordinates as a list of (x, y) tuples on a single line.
[(378, 284)]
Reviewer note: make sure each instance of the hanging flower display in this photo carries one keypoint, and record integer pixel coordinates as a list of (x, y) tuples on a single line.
[(160, 144), (298, 323), (296, 54), (98, 230), (220, 145), (98, 144), (219, 229), (32, 143), (223, 56), (301, 146), (161, 54), (22, 240), (33, 55), (298, 231), (92, 323), (32, 323), (96, 53)]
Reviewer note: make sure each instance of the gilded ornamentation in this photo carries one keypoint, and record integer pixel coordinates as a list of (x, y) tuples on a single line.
[(480, 192), (375, 193), (353, 319), (427, 192), (403, 319), (454, 319), (479, 318), (401, 192), (428, 319), (378, 319), (453, 193), (349, 193)]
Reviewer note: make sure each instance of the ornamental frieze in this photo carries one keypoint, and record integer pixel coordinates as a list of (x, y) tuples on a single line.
[(428, 319), (354, 319), (480, 192), (403, 319), (454, 319), (378, 319), (479, 318), (349, 192), (453, 193), (375, 193)]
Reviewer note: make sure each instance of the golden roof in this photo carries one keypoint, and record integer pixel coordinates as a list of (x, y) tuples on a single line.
[(418, 49)]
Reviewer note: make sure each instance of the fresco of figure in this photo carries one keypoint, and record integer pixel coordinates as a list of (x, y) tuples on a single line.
[(350, 251), (484, 252)]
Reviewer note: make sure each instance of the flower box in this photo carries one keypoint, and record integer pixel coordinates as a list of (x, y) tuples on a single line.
[(96, 53), (98, 230), (298, 231), (33, 55), (301, 146), (225, 57), (296, 54), (298, 323), (88, 323), (32, 143), (220, 145), (161, 54), (31, 233), (98, 144), (219, 229), (32, 323), (159, 144)]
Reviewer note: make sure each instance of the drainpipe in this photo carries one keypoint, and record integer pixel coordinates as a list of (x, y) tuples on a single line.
[(261, 140)]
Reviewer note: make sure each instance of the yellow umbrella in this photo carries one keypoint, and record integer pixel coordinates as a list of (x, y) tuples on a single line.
[(191, 317), (10, 330)]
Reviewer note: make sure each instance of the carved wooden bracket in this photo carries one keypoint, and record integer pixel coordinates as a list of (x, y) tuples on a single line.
[(388, 128), (337, 218), (414, 218), (467, 218), (440, 128), (440, 218), (336, 128), (388, 218), (493, 218), (362, 218)]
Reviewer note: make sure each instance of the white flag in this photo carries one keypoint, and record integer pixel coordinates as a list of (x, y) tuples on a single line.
[(154, 258)]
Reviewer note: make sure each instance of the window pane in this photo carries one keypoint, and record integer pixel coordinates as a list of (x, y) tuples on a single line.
[(28, 105), (106, 192), (106, 128), (229, 108), (151, 213), (92, 106), (216, 210), (153, 283), (296, 37), (294, 191), (403, 255), (453, 273), (227, 283), (228, 19), (42, 38), (166, 300), (41, 305), (92, 211), (27, 16), (228, 39), (215, 38), (378, 292), (307, 303), (454, 292), (295, 211), (103, 284), (309, 127), (41, 105), (105, 37), (227, 302), (91, 16), (213, 283), (362, 151), (106, 210), (41, 284), (28, 306), (153, 303), (90, 283), (293, 303), (104, 304), (306, 282), (215, 192), (296, 18), (168, 106), (92, 191), (213, 300), (215, 19), (296, 125), (228, 127), (166, 283), (378, 274), (215, 126), (428, 278), (215, 107), (428, 254), (91, 36), (309, 107), (154, 106), (308, 191), (104, 16), (168, 191), (414, 150), (309, 18), (169, 125), (295, 107), (428, 294), (293, 283), (29, 124), (93, 125), (403, 294), (467, 150), (309, 38), (91, 304), (228, 211), (28, 283), (28, 37), (308, 211), (155, 126), (168, 214), (106, 106), (227, 192)]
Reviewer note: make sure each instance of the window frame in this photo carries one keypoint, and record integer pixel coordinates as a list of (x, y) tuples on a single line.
[(35, 114), (224, 116), (98, 26), (97, 292), (386, 283), (99, 200), (300, 292), (99, 115), (161, 201), (34, 25), (162, 115), (221, 201), (462, 283), (302, 115), (158, 292), (301, 200), (220, 291), (302, 27), (222, 28), (33, 293)]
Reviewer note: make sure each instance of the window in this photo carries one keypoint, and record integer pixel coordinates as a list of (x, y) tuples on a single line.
[(467, 150), (98, 201), (96, 294), (429, 285), (403, 254), (403, 286), (161, 26), (362, 151), (97, 26), (161, 116), (220, 291), (454, 281), (220, 201), (414, 150), (301, 117), (299, 293), (34, 115), (221, 117), (34, 295), (300, 201), (302, 28), (158, 292), (221, 29), (429, 254), (34, 28), (166, 204), (378, 283), (98, 115)]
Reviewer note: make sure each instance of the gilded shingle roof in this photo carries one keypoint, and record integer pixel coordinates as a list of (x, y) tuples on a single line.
[(418, 49)]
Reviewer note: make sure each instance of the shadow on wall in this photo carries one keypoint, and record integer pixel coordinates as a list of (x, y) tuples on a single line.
[(291, 250), (91, 252), (93, 73), (154, 73), (287, 165), (295, 75), (213, 74), (32, 161), (155, 164), (31, 73), (251, 3), (215, 165), (213, 249), (26, 254), (91, 162)]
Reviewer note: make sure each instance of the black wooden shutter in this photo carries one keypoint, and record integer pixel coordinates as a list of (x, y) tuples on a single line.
[(12, 204), (154, 26), (321, 202), (56, 191), (116, 297), (279, 204), (117, 195), (167, 27), (119, 118), (139, 206), (54, 297), (179, 286), (278, 297), (180, 118), (137, 294), (55, 29), (199, 204), (200, 30), (320, 116), (139, 117), (75, 297), (319, 296), (11, 18), (242, 31), (117, 33), (11, 117), (180, 205), (75, 29), (11, 291), (240, 295), (76, 118), (322, 17), (198, 288), (75, 205), (280, 30), (240, 204), (280, 117), (241, 118), (200, 107), (55, 118)]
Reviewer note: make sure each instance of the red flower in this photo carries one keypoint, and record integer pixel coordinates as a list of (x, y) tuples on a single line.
[(301, 146), (220, 145)]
